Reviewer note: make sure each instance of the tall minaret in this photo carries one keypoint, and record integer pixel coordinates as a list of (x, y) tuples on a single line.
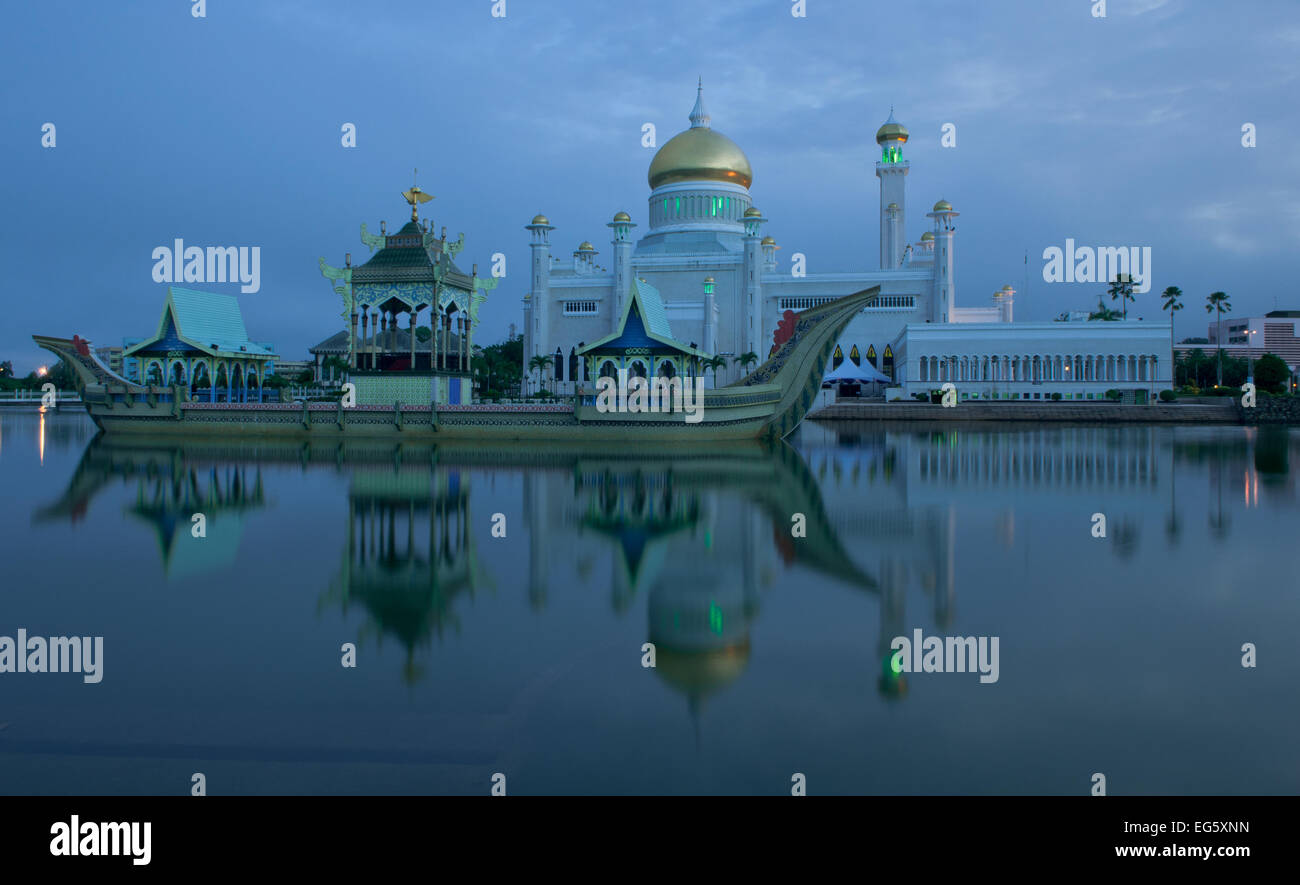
[(753, 282), (539, 309), (892, 170), (945, 279), (622, 227)]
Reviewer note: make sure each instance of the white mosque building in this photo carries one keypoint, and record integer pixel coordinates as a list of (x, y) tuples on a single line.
[(707, 258)]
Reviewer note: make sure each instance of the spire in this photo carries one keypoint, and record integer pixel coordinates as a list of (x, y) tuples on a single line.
[(699, 116)]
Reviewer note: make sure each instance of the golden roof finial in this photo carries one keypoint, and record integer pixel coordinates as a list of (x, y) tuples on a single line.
[(415, 196)]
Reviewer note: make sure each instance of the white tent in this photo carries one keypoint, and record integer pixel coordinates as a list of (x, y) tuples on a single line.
[(848, 373)]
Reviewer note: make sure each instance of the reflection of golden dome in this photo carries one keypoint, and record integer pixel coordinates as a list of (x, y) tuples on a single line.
[(622, 216), (926, 237), (700, 154), (751, 212), (942, 206), (701, 672), (769, 241), (541, 219)]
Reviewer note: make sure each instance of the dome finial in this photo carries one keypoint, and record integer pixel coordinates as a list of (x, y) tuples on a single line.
[(699, 116)]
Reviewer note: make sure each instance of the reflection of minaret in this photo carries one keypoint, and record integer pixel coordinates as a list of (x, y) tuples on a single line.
[(893, 609), (539, 536), (946, 592)]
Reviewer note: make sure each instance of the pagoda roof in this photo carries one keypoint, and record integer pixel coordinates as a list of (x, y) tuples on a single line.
[(406, 258), (207, 321), (644, 309)]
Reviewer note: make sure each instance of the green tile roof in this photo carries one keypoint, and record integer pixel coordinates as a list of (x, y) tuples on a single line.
[(205, 320)]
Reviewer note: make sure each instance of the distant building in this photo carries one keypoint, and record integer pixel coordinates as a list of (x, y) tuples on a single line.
[(111, 356), (1275, 332), (291, 369)]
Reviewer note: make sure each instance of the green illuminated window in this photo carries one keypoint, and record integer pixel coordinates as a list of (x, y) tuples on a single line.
[(678, 208)]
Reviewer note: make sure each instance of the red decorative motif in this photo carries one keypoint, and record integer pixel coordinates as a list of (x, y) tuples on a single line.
[(81, 344), (784, 329)]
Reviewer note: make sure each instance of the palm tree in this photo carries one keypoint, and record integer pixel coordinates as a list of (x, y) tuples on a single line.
[(538, 364), (1217, 302), (1172, 304), (714, 363), (1122, 287), (746, 359)]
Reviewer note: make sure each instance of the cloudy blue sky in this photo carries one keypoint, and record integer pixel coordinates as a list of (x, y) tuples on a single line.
[(226, 131)]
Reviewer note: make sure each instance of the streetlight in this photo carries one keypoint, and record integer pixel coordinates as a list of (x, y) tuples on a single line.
[(1250, 357)]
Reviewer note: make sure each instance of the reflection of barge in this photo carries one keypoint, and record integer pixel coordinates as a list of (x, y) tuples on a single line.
[(769, 402)]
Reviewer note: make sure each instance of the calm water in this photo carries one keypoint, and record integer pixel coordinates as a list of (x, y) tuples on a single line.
[(478, 654)]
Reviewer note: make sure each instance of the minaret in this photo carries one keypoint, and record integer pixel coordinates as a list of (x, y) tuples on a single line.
[(1004, 298), (753, 287), (622, 227), (945, 280), (539, 313), (710, 337), (892, 170)]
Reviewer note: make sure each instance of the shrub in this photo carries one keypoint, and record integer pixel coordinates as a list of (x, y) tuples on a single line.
[(921, 397), (1168, 396), (1056, 396), (1114, 395)]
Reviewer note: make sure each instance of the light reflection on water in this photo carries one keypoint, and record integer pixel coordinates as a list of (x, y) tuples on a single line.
[(522, 653)]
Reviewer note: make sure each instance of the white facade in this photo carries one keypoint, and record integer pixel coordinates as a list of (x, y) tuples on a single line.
[(1079, 360)]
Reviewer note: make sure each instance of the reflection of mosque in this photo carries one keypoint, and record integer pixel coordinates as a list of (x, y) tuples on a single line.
[(699, 538), (408, 556), (696, 537)]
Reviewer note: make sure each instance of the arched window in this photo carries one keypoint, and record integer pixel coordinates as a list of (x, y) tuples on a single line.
[(667, 370), (637, 369), (154, 374), (573, 364), (608, 370), (178, 374)]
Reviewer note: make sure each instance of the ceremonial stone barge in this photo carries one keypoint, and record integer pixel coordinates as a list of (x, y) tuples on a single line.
[(426, 392)]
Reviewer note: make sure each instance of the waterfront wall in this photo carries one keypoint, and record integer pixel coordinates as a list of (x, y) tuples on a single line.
[(1227, 412), (1270, 410)]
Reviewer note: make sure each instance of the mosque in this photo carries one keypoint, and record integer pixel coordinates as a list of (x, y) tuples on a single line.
[(707, 276)]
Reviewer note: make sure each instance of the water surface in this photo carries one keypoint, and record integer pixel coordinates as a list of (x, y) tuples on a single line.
[(522, 654)]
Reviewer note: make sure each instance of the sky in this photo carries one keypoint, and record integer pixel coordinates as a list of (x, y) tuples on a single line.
[(226, 130)]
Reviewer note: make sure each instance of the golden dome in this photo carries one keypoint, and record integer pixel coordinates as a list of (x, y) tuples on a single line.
[(942, 206), (926, 237), (622, 216), (700, 154), (709, 279), (769, 241), (891, 130), (541, 219), (751, 212), (586, 247)]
